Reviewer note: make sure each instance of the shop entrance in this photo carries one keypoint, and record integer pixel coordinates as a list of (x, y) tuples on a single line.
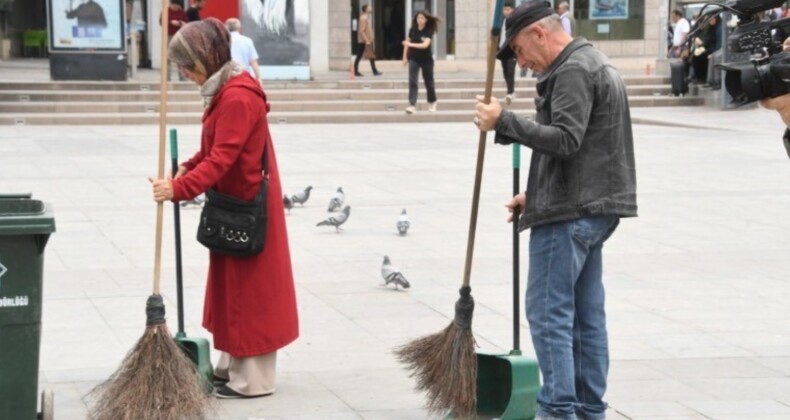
[(389, 25)]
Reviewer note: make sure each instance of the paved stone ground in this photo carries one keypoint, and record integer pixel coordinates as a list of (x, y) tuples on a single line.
[(697, 286)]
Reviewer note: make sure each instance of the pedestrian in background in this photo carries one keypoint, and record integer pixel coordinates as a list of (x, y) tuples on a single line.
[(242, 49), (250, 302), (564, 10), (418, 56), (365, 46), (509, 64), (193, 13), (680, 31), (176, 18)]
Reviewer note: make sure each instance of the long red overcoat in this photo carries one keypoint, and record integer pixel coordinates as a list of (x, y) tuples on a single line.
[(250, 305)]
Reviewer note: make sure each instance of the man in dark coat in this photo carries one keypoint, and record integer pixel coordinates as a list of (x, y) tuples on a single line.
[(582, 180)]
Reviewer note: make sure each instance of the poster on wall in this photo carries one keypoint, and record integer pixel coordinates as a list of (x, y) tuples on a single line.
[(77, 25), (280, 30), (608, 9)]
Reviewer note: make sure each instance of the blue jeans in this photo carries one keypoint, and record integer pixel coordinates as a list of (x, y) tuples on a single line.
[(565, 310)]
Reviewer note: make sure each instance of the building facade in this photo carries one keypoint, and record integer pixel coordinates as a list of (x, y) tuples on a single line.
[(620, 28), (633, 29)]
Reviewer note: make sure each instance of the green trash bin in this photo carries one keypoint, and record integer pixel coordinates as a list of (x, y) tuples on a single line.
[(25, 226)]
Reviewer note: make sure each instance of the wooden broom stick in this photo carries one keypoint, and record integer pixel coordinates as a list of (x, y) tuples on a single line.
[(160, 207)]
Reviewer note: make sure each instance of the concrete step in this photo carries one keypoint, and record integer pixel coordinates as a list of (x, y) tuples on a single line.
[(281, 117), (279, 95), (359, 83), (662, 99)]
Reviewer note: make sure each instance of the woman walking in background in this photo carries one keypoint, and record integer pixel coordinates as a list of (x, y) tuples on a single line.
[(250, 304), (365, 42), (418, 55)]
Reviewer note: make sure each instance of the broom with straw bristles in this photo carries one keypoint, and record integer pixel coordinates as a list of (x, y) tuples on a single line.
[(156, 380), (445, 364)]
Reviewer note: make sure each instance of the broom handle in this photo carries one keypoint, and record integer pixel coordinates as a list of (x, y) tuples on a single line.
[(177, 226), (493, 42), (516, 274), (160, 208)]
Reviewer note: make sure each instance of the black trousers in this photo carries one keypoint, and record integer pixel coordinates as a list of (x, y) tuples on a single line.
[(360, 51), (509, 71), (700, 66), (427, 76)]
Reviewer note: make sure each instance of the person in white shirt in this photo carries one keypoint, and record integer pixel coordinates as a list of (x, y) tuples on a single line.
[(564, 10), (682, 29), (242, 49)]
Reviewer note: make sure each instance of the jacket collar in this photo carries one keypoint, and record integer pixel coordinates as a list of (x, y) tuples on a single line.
[(569, 49), (241, 81)]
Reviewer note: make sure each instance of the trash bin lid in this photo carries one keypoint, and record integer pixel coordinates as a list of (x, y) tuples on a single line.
[(21, 215)]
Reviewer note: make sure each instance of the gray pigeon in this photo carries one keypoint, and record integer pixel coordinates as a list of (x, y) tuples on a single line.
[(301, 197), (336, 202), (403, 223), (337, 219), (288, 203), (392, 275)]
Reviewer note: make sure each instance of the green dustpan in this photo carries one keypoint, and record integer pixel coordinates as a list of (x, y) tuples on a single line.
[(196, 348), (508, 384)]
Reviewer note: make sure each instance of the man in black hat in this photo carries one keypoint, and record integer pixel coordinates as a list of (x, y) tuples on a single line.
[(582, 180)]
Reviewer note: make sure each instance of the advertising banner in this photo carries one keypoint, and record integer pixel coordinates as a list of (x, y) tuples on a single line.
[(280, 30), (79, 25), (608, 9)]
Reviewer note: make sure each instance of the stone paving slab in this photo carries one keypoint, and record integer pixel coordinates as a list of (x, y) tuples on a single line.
[(696, 285)]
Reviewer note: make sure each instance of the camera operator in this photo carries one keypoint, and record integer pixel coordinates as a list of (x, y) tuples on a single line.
[(782, 105)]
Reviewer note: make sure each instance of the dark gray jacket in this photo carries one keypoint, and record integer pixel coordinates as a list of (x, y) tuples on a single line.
[(583, 149)]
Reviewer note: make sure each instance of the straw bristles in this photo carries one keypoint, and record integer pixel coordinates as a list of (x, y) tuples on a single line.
[(445, 366), (156, 381)]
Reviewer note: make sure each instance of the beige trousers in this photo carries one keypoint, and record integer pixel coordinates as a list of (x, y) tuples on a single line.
[(248, 375)]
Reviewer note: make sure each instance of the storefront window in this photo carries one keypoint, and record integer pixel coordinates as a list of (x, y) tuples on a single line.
[(609, 19), (450, 20)]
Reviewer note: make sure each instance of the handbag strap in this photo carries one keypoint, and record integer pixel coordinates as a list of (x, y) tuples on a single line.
[(265, 158)]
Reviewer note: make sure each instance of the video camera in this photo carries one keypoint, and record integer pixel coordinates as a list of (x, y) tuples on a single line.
[(764, 77)]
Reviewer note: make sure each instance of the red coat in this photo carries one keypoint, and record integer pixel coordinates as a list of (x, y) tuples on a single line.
[(250, 305), (174, 14)]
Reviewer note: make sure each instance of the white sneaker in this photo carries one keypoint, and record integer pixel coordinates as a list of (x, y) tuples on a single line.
[(411, 109), (432, 107), (509, 99)]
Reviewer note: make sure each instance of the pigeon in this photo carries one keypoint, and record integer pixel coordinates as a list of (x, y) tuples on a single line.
[(301, 197), (336, 219), (392, 275), (403, 223), (288, 203), (336, 202)]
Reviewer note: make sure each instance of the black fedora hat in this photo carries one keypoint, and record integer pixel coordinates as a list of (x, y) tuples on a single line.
[(525, 15)]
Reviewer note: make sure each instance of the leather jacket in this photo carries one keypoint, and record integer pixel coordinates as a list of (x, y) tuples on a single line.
[(582, 144)]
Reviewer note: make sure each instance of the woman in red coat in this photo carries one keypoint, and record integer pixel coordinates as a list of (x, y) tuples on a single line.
[(250, 305)]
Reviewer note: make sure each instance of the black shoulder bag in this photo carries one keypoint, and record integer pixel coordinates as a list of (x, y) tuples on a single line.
[(232, 226)]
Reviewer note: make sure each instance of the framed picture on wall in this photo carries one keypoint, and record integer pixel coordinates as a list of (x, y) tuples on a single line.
[(280, 31), (608, 9), (80, 25)]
